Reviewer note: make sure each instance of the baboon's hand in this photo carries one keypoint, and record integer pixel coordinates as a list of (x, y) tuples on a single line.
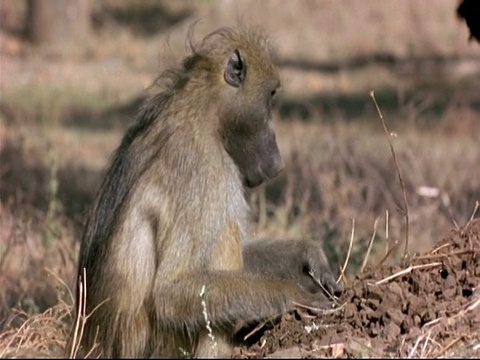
[(331, 286), (314, 302)]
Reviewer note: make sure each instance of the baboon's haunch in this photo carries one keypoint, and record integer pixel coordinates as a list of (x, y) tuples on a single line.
[(301, 261), (170, 216)]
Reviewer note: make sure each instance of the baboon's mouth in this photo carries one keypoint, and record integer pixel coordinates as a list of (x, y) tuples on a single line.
[(253, 181), (255, 178)]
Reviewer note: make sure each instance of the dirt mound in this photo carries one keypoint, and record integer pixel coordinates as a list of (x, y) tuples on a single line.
[(422, 308)]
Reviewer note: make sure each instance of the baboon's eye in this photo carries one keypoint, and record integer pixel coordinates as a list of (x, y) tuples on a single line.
[(235, 71), (274, 90)]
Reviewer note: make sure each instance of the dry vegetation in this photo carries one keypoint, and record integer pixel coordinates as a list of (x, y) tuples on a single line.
[(61, 115)]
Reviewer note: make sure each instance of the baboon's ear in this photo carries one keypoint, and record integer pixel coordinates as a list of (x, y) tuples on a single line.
[(235, 71)]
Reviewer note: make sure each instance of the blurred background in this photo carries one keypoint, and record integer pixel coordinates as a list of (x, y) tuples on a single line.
[(73, 74)]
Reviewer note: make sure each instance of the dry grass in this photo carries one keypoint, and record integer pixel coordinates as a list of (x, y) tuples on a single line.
[(39, 335)]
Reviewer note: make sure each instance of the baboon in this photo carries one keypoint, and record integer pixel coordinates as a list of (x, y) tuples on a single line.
[(162, 243), (469, 11), (302, 261)]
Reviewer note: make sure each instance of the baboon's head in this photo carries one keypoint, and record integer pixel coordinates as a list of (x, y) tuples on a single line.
[(242, 63)]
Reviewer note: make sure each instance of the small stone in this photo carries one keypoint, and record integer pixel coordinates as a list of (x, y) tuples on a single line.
[(392, 330), (396, 316), (350, 310)]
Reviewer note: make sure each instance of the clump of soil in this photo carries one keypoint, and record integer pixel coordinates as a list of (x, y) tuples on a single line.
[(421, 308)]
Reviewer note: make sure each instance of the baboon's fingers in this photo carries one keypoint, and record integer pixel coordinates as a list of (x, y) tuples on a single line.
[(317, 306), (335, 289)]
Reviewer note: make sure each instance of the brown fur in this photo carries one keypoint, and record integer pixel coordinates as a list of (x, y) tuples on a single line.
[(170, 216), (292, 260)]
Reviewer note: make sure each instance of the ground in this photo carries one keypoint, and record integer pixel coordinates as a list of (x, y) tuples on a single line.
[(428, 306)]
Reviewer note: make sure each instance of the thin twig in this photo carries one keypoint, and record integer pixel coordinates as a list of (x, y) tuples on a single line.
[(434, 321), (82, 316), (477, 205), (399, 173), (94, 346), (257, 328), (370, 244), (445, 199), (425, 343), (439, 256), (414, 348), (439, 248), (474, 305), (342, 270), (318, 310), (406, 271), (81, 306), (448, 346), (342, 276)]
